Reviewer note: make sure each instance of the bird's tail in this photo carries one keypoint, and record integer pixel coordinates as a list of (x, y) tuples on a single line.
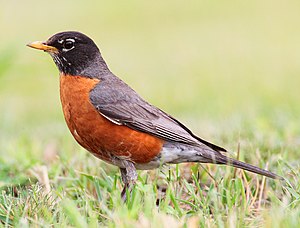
[(221, 159)]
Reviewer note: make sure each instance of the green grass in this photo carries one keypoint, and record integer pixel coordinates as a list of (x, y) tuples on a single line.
[(228, 70)]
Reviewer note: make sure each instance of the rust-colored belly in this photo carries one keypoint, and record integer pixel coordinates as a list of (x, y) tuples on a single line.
[(95, 133)]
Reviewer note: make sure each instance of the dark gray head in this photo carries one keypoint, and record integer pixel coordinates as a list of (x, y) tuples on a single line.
[(74, 53)]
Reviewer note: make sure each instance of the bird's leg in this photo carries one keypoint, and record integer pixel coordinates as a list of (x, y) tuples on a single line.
[(126, 185), (129, 176)]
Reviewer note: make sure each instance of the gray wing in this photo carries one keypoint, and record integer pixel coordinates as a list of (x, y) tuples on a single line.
[(117, 102)]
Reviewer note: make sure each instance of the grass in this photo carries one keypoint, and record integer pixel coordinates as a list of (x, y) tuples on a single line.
[(230, 71)]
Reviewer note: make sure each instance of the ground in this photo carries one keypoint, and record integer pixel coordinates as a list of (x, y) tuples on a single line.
[(229, 71)]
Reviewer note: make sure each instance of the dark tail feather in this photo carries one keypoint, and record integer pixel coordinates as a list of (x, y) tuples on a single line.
[(242, 165)]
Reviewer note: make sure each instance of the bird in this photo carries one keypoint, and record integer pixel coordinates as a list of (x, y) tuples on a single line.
[(110, 120)]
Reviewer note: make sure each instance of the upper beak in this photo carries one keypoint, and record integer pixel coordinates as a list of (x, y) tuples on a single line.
[(42, 46)]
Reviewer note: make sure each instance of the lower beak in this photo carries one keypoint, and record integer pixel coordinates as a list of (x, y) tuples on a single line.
[(42, 46)]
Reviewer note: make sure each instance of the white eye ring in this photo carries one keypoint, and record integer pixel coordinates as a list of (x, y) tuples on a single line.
[(68, 44), (70, 39)]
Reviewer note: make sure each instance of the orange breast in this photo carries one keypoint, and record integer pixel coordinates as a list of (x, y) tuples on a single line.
[(95, 133)]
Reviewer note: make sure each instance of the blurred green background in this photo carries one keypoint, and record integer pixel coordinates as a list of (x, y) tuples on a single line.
[(228, 69)]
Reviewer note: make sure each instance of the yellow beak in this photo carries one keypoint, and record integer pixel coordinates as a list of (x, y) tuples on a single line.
[(42, 46)]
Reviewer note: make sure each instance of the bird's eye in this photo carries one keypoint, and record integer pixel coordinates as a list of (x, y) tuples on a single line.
[(68, 45)]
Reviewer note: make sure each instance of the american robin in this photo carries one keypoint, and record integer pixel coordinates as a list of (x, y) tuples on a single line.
[(114, 123)]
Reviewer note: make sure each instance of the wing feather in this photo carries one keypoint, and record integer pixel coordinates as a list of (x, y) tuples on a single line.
[(122, 105)]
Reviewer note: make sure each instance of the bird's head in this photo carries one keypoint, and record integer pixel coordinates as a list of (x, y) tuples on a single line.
[(73, 53)]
